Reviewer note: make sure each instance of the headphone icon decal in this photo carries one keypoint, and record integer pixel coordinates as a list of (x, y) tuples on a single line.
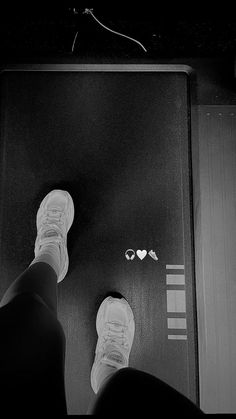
[(128, 256)]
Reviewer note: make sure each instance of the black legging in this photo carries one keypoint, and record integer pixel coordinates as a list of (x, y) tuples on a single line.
[(32, 359)]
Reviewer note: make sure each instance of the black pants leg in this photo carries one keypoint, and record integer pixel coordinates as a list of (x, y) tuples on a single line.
[(32, 346), (132, 392), (32, 359)]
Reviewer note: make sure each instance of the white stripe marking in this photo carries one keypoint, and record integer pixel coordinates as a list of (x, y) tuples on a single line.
[(176, 323), (180, 337), (174, 266), (175, 279), (176, 301)]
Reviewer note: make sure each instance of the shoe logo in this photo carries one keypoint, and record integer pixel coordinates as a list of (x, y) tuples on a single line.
[(153, 255), (141, 254)]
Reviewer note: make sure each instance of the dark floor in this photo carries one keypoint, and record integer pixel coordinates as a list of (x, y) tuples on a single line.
[(120, 149)]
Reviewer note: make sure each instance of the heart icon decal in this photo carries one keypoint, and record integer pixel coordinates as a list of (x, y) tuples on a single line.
[(141, 254)]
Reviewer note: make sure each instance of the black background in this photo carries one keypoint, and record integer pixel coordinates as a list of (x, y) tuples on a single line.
[(165, 29)]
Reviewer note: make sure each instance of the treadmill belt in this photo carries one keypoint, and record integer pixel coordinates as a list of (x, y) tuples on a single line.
[(118, 142)]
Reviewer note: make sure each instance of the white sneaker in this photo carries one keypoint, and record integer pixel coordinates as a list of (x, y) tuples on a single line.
[(54, 219), (115, 328)]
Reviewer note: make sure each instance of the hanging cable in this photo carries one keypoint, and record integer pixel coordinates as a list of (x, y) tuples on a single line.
[(90, 11), (73, 45)]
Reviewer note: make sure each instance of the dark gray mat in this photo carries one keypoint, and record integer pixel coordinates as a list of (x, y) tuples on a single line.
[(119, 143)]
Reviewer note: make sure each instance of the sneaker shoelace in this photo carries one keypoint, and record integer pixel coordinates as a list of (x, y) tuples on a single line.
[(53, 218), (115, 335)]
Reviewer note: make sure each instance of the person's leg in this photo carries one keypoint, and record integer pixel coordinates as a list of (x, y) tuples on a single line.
[(39, 278), (32, 347), (132, 392)]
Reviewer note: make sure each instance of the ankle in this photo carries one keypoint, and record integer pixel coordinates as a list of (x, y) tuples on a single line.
[(49, 254)]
